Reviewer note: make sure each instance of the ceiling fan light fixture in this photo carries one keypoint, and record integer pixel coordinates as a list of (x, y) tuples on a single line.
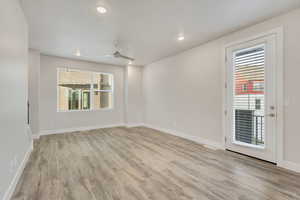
[(101, 9)]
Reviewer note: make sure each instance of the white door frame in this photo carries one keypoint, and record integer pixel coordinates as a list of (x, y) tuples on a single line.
[(279, 89)]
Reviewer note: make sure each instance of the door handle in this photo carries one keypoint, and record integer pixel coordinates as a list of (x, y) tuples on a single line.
[(271, 115)]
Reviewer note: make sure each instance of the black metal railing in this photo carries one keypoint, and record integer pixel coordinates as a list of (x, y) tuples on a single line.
[(249, 128), (259, 124)]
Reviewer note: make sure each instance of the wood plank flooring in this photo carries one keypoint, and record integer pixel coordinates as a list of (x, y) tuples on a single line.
[(145, 164)]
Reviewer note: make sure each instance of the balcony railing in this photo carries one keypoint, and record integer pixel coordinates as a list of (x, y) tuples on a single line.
[(249, 128), (259, 130)]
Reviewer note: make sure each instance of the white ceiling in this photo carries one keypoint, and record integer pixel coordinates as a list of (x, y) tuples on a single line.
[(145, 29)]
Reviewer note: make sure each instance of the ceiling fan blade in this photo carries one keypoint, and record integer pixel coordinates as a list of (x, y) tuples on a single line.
[(108, 56), (126, 57), (117, 54)]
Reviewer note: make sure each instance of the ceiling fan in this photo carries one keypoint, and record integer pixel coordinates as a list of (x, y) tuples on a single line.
[(118, 54)]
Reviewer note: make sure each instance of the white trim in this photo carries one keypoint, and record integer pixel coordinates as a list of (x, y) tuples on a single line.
[(280, 94), (32, 136), (125, 102), (8, 194), (86, 128), (134, 125), (207, 143), (35, 136), (279, 88), (29, 132), (289, 165), (278, 30)]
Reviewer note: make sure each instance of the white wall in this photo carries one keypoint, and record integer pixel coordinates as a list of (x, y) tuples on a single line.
[(51, 120), (184, 92), (14, 141), (134, 96), (34, 90)]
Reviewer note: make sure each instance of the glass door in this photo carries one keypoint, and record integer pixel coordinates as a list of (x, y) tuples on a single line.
[(251, 99)]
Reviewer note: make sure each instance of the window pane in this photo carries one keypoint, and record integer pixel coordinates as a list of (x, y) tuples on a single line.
[(102, 100), (74, 99), (249, 98), (85, 100), (74, 90), (103, 82)]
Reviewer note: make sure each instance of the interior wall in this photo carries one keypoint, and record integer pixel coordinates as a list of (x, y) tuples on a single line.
[(184, 92), (134, 96), (51, 120), (14, 139), (34, 90)]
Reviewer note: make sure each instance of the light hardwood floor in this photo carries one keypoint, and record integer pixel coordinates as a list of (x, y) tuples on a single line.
[(145, 164)]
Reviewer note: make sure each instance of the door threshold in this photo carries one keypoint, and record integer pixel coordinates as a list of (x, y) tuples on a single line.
[(251, 157)]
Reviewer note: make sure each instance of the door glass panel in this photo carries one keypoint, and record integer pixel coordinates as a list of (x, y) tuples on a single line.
[(249, 96)]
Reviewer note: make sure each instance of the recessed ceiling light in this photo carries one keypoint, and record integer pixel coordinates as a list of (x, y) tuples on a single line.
[(180, 38), (101, 9)]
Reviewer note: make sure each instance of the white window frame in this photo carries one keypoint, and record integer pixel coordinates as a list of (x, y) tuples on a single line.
[(92, 90)]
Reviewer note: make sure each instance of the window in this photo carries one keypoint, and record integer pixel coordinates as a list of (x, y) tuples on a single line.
[(247, 107), (83, 90)]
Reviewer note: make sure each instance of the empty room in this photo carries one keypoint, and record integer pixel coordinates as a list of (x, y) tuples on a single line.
[(149, 100)]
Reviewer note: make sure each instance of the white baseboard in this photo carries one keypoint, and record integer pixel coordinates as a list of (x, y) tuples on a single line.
[(86, 128), (36, 136), (207, 143), (29, 132), (134, 125), (12, 187), (31, 135), (289, 165)]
